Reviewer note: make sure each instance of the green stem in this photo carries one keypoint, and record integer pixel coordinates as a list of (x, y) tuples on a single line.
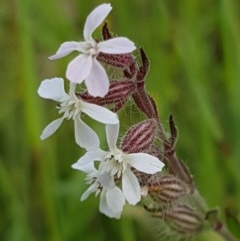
[(223, 231)]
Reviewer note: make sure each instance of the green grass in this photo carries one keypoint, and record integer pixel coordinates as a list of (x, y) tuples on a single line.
[(194, 51)]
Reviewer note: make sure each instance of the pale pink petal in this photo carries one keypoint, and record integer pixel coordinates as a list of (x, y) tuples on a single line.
[(52, 89), (131, 187), (65, 49), (51, 128), (144, 162), (99, 113), (97, 81), (119, 45), (84, 135), (94, 19), (112, 132), (79, 68)]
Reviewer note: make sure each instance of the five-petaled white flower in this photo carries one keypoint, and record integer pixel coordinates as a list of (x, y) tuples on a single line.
[(86, 66), (72, 107), (111, 197), (119, 164)]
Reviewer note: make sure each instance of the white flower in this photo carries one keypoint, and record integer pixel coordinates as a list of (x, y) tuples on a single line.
[(111, 197), (72, 107), (119, 164), (86, 66)]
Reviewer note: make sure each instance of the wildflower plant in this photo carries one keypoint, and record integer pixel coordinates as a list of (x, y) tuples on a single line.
[(141, 168)]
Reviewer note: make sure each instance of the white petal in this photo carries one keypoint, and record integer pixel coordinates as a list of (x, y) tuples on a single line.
[(79, 68), (51, 128), (105, 209), (88, 168), (94, 19), (91, 189), (97, 81), (144, 162), (115, 200), (131, 187), (99, 113), (112, 132), (65, 49), (119, 45), (91, 156), (84, 135), (52, 89)]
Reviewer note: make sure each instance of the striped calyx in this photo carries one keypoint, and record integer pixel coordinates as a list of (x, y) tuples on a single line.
[(116, 60), (183, 219), (166, 188), (139, 137), (119, 91)]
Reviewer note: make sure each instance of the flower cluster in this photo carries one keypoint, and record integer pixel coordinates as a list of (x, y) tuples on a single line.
[(131, 168), (111, 173)]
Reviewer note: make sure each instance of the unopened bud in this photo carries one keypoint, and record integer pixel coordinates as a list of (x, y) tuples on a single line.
[(118, 92), (167, 188), (183, 219), (139, 137), (145, 102), (105, 32)]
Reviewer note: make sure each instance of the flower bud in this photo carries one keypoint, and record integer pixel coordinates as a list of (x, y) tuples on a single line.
[(165, 189), (118, 92), (141, 74), (139, 137), (183, 219), (145, 102), (105, 32)]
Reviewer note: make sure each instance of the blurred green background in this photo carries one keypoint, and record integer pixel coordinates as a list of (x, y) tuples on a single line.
[(194, 50)]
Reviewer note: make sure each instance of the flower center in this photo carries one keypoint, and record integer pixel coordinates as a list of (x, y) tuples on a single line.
[(92, 49), (71, 107), (92, 52), (114, 163)]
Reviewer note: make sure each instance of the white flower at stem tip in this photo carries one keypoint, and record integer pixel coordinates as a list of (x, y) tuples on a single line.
[(119, 164), (86, 66), (72, 107)]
